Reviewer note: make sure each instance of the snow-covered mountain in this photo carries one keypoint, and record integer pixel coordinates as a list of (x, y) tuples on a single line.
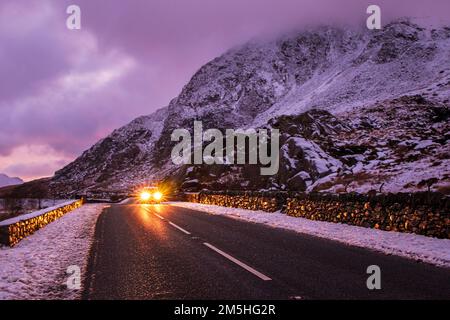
[(6, 181), (357, 110)]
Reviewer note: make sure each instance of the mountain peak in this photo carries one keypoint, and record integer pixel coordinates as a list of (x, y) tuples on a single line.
[(340, 71)]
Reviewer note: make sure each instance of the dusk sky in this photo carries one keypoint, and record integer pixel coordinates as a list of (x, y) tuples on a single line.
[(61, 90)]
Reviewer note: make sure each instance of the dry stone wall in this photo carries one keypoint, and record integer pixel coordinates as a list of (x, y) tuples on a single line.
[(11, 234), (421, 213)]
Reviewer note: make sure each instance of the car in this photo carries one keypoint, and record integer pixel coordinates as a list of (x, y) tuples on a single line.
[(150, 195)]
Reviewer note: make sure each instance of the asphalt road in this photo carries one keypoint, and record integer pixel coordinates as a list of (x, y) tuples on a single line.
[(167, 252)]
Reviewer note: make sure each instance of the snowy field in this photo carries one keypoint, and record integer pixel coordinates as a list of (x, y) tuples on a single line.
[(36, 267), (417, 247)]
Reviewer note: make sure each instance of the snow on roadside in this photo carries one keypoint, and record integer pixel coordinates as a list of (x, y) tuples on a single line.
[(35, 214), (413, 246), (126, 201), (36, 267)]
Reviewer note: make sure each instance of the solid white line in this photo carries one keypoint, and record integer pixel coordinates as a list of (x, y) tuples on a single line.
[(179, 228), (239, 263), (162, 218)]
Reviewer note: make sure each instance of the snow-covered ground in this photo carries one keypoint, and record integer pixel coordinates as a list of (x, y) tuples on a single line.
[(126, 201), (35, 214), (36, 267), (417, 247), (30, 205)]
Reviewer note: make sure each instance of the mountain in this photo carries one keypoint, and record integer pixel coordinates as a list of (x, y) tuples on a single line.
[(116, 161), (358, 110), (6, 181)]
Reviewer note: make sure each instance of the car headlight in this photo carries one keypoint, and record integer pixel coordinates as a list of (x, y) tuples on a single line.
[(157, 195), (145, 196)]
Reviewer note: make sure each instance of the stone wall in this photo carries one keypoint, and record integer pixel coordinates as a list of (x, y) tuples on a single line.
[(269, 202), (11, 234), (425, 214), (421, 213)]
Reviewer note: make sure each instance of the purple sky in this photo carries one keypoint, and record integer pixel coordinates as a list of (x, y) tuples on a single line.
[(62, 90)]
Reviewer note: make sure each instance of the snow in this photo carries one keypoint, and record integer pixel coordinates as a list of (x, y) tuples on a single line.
[(424, 144), (29, 205), (322, 161), (125, 201), (36, 267), (304, 176), (6, 181), (352, 80), (430, 250), (35, 213)]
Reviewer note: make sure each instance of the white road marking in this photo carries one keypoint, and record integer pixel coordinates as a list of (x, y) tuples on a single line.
[(154, 213), (162, 218), (239, 263), (179, 228), (224, 254)]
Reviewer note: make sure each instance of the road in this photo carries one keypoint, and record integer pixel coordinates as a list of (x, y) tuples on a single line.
[(168, 252)]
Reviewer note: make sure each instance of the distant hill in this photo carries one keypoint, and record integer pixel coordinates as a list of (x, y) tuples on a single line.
[(33, 189), (8, 181)]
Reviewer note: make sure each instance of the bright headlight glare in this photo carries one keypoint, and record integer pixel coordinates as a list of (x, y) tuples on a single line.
[(157, 195), (145, 196)]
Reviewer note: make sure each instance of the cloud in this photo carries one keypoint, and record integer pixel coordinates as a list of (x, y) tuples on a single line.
[(62, 89), (33, 161)]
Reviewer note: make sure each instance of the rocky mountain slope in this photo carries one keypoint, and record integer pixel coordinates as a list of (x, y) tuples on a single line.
[(358, 110)]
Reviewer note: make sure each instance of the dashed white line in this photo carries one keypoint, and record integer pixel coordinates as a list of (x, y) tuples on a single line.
[(239, 263), (155, 214), (179, 228), (161, 217), (224, 254)]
